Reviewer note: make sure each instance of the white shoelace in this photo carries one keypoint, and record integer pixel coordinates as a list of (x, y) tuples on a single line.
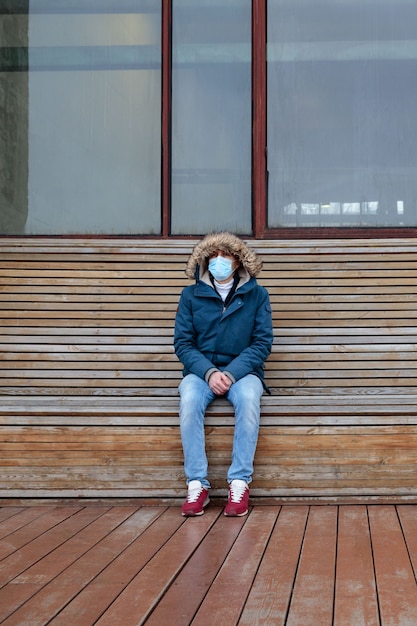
[(237, 489), (194, 490)]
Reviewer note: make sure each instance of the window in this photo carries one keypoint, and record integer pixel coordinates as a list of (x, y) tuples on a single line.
[(341, 115), (211, 116), (80, 84)]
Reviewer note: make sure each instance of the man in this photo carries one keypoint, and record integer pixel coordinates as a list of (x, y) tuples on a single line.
[(223, 335)]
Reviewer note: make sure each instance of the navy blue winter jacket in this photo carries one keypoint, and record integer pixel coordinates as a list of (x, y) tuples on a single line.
[(237, 338)]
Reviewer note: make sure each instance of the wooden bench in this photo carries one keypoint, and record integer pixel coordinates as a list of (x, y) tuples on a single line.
[(88, 379)]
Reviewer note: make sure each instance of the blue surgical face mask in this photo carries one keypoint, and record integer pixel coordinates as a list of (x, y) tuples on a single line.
[(220, 268)]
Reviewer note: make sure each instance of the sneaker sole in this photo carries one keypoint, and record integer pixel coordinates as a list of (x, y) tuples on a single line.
[(196, 514), (236, 514)]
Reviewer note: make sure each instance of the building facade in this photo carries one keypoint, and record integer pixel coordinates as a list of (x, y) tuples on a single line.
[(172, 118)]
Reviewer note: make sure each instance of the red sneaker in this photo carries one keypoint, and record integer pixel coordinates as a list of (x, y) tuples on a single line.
[(197, 499), (237, 505)]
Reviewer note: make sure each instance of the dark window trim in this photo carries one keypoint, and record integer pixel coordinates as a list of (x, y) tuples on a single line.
[(334, 232), (259, 137), (166, 71)]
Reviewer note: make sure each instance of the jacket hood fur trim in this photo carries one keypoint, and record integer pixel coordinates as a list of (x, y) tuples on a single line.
[(227, 242)]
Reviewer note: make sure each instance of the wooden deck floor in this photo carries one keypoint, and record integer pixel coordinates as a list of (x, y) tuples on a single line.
[(293, 565)]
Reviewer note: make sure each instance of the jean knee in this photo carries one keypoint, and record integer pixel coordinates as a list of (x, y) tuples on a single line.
[(194, 398), (247, 391), (190, 389)]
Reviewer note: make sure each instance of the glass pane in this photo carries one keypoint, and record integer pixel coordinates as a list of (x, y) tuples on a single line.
[(342, 118), (211, 116), (80, 101)]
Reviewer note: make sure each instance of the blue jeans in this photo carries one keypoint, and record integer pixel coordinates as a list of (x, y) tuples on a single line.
[(245, 395)]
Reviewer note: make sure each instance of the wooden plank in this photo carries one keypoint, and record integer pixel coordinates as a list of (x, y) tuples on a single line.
[(270, 595), (151, 417), (372, 405), (111, 256), (408, 521), (111, 334), (88, 315), (104, 360), (284, 437), (345, 353), (142, 265), (327, 383), (143, 342), (312, 599), (356, 264), (97, 391), (356, 394), (362, 320), (356, 600), (30, 322), (173, 285), (22, 303), (394, 575), (288, 292), (88, 376), (82, 384), (340, 341), (151, 293)]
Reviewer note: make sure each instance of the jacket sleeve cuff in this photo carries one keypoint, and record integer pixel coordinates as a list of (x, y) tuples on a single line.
[(230, 375), (209, 373)]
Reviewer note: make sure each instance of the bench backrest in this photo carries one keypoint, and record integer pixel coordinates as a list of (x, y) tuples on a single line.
[(95, 317)]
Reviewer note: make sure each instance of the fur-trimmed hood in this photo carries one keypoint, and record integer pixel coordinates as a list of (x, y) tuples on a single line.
[(227, 242)]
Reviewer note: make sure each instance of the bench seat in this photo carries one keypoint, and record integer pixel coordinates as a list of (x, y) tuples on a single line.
[(88, 380)]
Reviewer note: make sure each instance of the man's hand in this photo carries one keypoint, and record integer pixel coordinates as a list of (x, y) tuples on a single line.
[(219, 383)]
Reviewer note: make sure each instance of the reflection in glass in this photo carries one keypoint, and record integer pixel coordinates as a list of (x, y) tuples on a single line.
[(84, 131), (14, 100), (342, 119), (211, 116)]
